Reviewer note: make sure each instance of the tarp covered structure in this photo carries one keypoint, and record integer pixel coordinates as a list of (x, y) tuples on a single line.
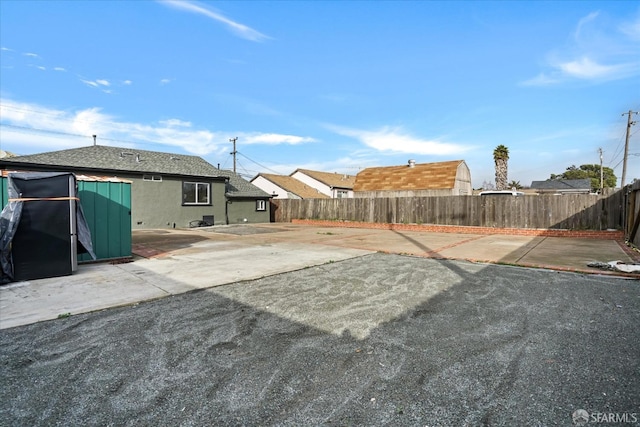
[(43, 212)]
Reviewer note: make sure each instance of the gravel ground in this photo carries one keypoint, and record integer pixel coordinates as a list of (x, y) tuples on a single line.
[(376, 340)]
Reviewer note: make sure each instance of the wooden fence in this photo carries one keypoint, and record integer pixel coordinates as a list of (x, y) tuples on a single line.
[(631, 214), (573, 212)]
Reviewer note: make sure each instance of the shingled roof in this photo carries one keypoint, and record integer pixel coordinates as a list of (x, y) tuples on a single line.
[(292, 185), (333, 180), (423, 176), (115, 159), (238, 187), (562, 184)]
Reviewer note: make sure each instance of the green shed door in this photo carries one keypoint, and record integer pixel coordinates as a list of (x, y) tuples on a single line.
[(4, 195), (107, 208)]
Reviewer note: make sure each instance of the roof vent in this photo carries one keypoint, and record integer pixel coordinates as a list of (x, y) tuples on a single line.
[(412, 163), (137, 158)]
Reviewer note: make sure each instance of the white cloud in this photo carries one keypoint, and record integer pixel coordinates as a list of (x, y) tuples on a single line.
[(6, 48), (597, 52), (41, 68), (175, 123), (541, 79), (240, 30), (89, 83), (31, 55), (99, 83), (584, 21), (395, 140), (51, 126), (59, 69), (631, 29), (127, 82), (585, 68), (165, 81), (274, 139)]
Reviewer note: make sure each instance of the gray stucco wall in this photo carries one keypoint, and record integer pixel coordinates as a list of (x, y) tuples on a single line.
[(242, 211), (158, 204)]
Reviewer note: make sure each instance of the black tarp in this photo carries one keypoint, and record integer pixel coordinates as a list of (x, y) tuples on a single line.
[(48, 196)]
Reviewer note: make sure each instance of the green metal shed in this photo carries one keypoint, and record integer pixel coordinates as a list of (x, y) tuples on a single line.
[(106, 203)]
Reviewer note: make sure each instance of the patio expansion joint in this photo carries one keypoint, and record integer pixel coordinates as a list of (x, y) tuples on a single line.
[(453, 245), (531, 248)]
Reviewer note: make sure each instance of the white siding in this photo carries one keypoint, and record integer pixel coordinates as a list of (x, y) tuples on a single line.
[(313, 183), (462, 186), (269, 187)]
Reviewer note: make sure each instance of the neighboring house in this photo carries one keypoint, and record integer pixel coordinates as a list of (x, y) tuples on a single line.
[(245, 202), (167, 190), (450, 178), (334, 185), (562, 186), (285, 187)]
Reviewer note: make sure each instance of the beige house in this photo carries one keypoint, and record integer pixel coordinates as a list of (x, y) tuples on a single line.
[(451, 178), (334, 185), (285, 187)]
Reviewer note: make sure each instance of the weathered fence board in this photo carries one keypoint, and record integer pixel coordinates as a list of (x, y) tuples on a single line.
[(570, 211), (631, 217)]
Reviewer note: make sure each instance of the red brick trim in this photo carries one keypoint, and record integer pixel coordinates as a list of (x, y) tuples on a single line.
[(545, 232)]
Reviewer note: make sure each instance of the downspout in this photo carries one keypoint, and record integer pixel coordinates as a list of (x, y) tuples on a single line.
[(227, 201)]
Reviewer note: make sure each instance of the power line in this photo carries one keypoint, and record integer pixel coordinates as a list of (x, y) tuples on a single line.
[(262, 166), (618, 149)]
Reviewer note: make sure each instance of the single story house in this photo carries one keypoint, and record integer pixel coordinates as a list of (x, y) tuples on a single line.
[(245, 202), (334, 185), (286, 187), (451, 178), (167, 190), (562, 186)]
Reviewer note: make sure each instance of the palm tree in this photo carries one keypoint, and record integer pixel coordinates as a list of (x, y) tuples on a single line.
[(515, 184), (500, 157)]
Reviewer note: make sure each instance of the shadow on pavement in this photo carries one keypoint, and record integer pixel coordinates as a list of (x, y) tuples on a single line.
[(493, 345)]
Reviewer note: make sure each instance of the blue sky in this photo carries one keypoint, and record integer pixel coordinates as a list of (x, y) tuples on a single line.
[(330, 86)]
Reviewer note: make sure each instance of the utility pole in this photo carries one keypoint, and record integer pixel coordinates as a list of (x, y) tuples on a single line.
[(601, 174), (234, 152), (626, 146)]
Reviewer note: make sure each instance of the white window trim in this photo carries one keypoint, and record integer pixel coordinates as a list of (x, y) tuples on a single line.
[(196, 203), (261, 205)]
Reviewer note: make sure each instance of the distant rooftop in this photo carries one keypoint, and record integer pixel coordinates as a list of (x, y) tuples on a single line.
[(334, 180), (421, 176), (294, 186), (562, 184)]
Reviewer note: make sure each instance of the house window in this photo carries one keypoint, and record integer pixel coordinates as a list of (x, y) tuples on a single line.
[(196, 193), (156, 178), (342, 194), (261, 205)]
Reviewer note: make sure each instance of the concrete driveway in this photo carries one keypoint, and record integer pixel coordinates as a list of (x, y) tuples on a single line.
[(170, 262)]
